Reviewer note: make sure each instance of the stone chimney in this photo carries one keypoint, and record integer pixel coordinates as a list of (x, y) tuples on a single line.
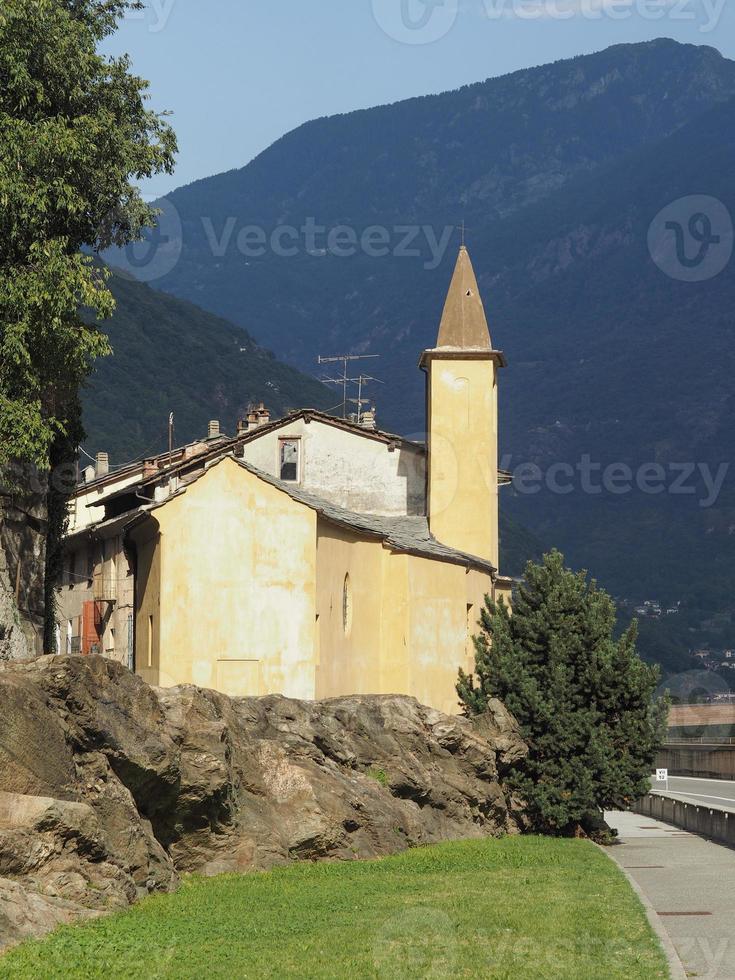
[(213, 432), (102, 465), (368, 419), (257, 415), (194, 449), (150, 467)]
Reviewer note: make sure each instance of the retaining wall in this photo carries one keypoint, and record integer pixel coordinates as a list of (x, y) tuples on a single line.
[(706, 761)]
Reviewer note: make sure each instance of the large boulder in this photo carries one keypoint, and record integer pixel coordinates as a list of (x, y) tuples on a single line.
[(110, 788)]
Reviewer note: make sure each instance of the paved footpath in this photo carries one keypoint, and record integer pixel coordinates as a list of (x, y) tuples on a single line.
[(690, 883)]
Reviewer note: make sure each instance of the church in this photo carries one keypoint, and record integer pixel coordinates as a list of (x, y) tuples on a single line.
[(307, 556)]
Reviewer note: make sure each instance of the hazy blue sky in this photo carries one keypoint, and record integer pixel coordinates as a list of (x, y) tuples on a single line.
[(237, 74)]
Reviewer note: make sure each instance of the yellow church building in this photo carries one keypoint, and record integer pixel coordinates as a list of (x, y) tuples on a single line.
[(307, 556)]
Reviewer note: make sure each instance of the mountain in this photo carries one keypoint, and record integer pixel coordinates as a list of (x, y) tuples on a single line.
[(560, 172), (172, 356), (482, 154)]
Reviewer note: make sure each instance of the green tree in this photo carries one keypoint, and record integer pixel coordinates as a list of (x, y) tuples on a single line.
[(75, 131), (585, 701)]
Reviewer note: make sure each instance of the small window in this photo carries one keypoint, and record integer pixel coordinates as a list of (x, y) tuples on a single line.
[(347, 606), (150, 641), (288, 454)]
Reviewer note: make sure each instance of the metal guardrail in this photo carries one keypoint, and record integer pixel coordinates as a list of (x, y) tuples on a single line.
[(701, 740)]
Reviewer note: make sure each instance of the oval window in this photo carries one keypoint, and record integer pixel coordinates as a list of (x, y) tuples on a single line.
[(347, 605)]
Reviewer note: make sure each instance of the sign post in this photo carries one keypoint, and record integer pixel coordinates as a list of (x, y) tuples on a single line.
[(662, 776)]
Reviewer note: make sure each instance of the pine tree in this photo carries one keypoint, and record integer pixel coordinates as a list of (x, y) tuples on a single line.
[(584, 699)]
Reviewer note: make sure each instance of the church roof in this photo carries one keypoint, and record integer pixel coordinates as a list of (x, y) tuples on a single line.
[(464, 324), (312, 414)]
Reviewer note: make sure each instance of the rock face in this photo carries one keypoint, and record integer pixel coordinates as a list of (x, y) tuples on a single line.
[(110, 788), (22, 558)]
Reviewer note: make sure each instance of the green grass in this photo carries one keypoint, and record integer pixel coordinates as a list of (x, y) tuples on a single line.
[(514, 908)]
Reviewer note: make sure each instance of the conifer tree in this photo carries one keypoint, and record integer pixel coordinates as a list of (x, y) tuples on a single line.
[(584, 699)]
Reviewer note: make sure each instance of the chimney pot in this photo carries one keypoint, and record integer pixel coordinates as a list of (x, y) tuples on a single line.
[(242, 427), (213, 429), (102, 465)]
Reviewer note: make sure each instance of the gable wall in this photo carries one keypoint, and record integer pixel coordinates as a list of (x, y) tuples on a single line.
[(237, 587), (353, 471)]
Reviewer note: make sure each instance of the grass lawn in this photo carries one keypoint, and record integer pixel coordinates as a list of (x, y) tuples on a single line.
[(515, 908)]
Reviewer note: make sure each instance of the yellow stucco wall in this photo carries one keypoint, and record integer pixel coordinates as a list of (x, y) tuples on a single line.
[(241, 589), (237, 588), (463, 455), (349, 661), (410, 620), (148, 603)]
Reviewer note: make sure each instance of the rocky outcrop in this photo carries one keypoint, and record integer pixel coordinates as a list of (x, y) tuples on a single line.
[(109, 788), (22, 558)]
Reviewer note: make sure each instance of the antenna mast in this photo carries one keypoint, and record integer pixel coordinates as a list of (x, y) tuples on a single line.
[(344, 379)]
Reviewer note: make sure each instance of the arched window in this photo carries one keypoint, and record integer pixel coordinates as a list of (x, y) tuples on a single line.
[(347, 606)]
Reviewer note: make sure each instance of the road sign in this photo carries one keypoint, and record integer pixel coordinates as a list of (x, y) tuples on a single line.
[(662, 775)]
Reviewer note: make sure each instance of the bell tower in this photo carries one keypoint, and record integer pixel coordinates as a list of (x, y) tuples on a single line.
[(462, 420)]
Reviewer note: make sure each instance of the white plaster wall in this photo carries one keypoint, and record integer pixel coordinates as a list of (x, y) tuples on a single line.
[(81, 515), (351, 470)]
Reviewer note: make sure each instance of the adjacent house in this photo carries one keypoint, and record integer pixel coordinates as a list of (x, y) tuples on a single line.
[(308, 556)]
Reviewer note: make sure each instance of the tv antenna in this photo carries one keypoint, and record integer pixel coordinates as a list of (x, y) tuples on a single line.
[(344, 379), (361, 381)]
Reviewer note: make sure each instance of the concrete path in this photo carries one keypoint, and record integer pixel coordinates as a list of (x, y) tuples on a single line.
[(690, 883)]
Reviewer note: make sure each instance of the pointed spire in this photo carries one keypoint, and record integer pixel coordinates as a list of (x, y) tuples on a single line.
[(464, 324)]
